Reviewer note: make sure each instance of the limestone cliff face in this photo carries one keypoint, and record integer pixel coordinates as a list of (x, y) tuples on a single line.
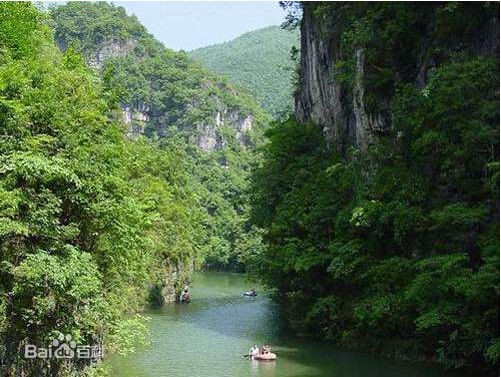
[(320, 99), (209, 135), (137, 115), (110, 49), (340, 108)]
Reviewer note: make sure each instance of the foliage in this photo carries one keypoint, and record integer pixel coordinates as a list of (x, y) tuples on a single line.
[(219, 181), (259, 61), (86, 216), (182, 101), (88, 25), (394, 248)]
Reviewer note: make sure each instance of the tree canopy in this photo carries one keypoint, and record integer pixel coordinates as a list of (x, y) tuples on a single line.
[(87, 218), (259, 61), (393, 248)]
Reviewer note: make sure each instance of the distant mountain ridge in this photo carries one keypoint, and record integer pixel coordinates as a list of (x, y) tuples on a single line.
[(259, 61), (157, 87), (171, 99)]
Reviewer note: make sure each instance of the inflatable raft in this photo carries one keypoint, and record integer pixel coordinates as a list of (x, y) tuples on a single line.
[(270, 356), (249, 294)]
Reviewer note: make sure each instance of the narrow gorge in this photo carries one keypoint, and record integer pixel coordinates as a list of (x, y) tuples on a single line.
[(324, 192)]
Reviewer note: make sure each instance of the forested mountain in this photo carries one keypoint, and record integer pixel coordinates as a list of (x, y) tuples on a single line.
[(167, 96), (158, 88), (259, 61), (380, 198), (89, 220), (372, 213)]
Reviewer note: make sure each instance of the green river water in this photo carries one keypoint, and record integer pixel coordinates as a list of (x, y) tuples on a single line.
[(209, 336)]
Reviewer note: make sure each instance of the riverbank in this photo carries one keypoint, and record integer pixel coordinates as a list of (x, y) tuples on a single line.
[(209, 337)]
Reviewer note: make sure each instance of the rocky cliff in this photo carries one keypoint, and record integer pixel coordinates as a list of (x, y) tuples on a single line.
[(170, 280), (209, 135), (209, 126), (106, 50), (347, 82), (157, 87)]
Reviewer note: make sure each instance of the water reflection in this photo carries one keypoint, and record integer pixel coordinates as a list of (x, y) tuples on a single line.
[(209, 337), (262, 368)]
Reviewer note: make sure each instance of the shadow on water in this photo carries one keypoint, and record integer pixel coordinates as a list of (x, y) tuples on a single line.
[(230, 316), (209, 336)]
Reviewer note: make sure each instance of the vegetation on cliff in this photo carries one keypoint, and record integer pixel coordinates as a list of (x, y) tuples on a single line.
[(171, 98), (86, 216), (259, 61), (394, 247), (391, 245)]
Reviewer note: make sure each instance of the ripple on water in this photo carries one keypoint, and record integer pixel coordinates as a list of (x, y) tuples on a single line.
[(209, 336)]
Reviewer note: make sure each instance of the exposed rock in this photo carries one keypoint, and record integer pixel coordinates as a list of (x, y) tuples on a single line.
[(320, 99), (242, 126), (365, 124), (135, 120), (340, 109), (174, 277), (111, 49), (209, 135)]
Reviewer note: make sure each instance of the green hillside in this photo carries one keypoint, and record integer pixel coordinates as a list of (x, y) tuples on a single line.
[(259, 61), (88, 218), (168, 96), (168, 87)]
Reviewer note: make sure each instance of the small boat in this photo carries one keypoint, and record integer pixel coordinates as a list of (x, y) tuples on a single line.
[(250, 294), (185, 298), (270, 356)]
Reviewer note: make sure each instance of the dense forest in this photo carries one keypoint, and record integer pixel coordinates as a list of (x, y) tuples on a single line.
[(371, 212), (380, 198), (261, 61), (124, 166), (88, 219), (168, 97)]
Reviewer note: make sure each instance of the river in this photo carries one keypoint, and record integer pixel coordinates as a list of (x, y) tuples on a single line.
[(209, 336)]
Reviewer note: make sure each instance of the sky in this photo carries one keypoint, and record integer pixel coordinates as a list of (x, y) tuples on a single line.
[(189, 25)]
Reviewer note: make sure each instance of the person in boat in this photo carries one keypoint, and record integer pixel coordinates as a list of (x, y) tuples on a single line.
[(253, 352), (252, 292), (185, 295), (264, 353)]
